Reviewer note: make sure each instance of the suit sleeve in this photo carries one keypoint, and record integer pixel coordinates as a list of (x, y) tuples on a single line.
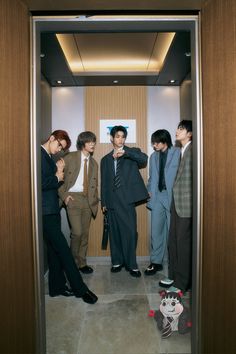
[(103, 183), (49, 180), (137, 155), (150, 174)]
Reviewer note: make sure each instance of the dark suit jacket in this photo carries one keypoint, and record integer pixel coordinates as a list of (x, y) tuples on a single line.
[(50, 184), (132, 185)]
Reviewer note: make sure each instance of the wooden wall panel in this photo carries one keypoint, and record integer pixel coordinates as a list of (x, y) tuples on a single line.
[(18, 316), (219, 204), (114, 103)]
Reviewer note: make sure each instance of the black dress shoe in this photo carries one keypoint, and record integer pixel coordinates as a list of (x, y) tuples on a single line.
[(116, 269), (153, 268), (89, 297), (65, 292), (86, 270), (135, 273)]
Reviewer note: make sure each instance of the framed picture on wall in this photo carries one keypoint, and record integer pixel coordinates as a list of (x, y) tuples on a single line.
[(107, 124)]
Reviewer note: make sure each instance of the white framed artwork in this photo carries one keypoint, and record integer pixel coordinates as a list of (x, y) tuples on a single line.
[(107, 124)]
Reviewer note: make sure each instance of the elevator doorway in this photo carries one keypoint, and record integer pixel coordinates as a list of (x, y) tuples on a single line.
[(118, 24)]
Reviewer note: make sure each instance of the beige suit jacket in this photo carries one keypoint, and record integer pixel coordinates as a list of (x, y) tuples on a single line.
[(72, 168)]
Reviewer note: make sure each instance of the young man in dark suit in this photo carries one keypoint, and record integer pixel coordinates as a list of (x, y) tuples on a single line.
[(60, 259), (121, 187)]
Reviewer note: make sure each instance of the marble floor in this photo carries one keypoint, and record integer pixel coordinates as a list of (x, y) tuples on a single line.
[(118, 323)]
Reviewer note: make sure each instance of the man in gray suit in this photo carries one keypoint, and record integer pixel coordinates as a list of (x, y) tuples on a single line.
[(163, 167), (80, 195), (121, 188), (180, 236)]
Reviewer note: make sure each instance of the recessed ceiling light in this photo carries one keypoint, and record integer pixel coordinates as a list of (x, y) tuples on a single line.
[(115, 81), (172, 81), (59, 82)]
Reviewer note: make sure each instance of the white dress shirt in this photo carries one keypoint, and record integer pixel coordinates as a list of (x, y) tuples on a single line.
[(78, 186)]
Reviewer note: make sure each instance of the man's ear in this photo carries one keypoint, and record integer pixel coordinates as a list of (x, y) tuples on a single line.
[(111, 139), (52, 138), (190, 135)]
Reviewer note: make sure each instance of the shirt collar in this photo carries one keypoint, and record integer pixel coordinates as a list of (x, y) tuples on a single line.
[(185, 147), (46, 151), (84, 156)]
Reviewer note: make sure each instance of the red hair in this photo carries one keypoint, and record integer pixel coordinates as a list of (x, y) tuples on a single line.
[(62, 135)]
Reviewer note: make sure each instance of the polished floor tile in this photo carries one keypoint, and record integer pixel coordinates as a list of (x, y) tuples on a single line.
[(118, 323), (64, 320)]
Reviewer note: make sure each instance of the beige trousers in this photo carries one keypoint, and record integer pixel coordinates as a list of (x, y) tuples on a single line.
[(79, 214)]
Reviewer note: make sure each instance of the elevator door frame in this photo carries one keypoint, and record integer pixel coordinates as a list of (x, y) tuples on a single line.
[(127, 23)]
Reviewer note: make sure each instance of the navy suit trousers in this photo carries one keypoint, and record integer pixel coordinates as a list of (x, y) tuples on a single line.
[(60, 259), (123, 232), (180, 250)]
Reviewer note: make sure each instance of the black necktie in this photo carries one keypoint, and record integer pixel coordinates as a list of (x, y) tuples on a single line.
[(117, 175), (161, 173)]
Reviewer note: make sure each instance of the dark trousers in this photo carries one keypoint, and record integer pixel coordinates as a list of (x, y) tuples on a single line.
[(180, 250), (123, 232), (60, 259)]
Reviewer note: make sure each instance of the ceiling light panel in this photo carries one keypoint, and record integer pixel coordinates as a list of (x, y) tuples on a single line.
[(162, 44), (115, 52)]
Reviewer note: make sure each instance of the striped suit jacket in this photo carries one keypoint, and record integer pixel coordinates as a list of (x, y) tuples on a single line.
[(182, 190)]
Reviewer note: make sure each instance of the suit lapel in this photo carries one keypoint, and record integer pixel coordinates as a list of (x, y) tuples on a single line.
[(76, 167), (91, 168), (169, 158), (182, 162), (111, 163), (157, 161), (49, 159)]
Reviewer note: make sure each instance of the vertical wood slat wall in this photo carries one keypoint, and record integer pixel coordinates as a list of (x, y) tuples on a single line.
[(16, 245), (219, 146), (117, 103)]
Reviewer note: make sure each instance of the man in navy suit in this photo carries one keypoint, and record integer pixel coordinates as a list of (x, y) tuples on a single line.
[(60, 259), (121, 188), (163, 167)]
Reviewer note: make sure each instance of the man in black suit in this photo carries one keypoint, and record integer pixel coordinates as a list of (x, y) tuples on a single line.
[(60, 259), (121, 187)]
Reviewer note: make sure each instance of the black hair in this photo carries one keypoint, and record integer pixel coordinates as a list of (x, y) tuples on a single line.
[(85, 137), (186, 124), (118, 128), (161, 136)]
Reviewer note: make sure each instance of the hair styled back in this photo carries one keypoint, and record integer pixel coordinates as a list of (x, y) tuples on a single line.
[(161, 136), (186, 124), (118, 128), (85, 137), (62, 135)]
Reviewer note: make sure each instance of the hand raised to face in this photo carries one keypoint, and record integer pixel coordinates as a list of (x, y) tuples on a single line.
[(118, 153), (60, 165)]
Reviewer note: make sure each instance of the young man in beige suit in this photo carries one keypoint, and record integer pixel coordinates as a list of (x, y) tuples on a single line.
[(80, 195)]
